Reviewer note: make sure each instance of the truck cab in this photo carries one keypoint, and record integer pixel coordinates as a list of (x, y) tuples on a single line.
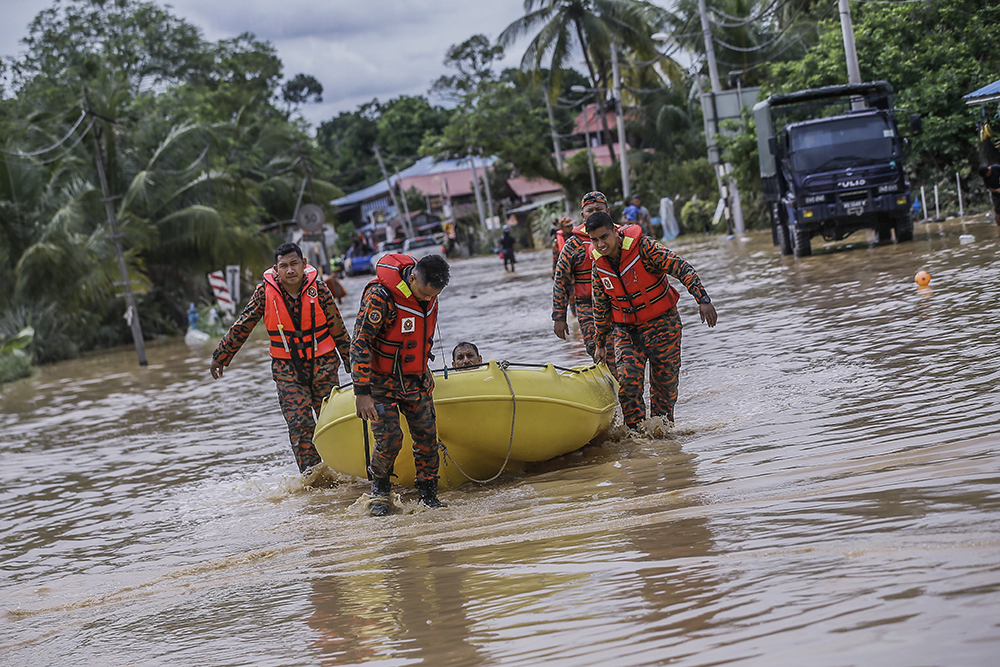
[(833, 175)]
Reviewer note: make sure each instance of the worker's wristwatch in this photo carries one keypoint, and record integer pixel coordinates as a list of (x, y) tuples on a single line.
[(705, 299)]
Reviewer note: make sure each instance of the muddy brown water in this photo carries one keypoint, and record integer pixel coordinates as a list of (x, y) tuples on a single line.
[(830, 494)]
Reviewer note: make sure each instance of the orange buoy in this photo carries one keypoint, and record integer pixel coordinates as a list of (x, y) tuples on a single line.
[(923, 279)]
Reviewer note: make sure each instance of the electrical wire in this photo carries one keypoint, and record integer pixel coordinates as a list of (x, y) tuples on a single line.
[(83, 114), (760, 47), (746, 20), (58, 157)]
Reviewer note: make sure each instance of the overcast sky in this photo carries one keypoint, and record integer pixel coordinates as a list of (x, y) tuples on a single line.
[(358, 49)]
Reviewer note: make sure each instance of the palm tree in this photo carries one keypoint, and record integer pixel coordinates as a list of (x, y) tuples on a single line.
[(560, 26)]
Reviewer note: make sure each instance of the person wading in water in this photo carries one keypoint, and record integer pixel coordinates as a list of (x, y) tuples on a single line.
[(306, 332), (393, 337), (635, 306)]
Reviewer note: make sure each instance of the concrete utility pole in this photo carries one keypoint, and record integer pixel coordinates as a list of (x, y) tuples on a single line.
[(732, 188), (479, 196), (131, 313), (552, 127), (619, 108), (406, 208), (847, 27), (392, 191)]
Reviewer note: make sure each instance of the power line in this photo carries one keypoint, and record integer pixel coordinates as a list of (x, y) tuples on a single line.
[(760, 47), (58, 157), (745, 20), (83, 114)]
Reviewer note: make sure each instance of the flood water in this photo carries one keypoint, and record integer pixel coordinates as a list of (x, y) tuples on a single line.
[(829, 496)]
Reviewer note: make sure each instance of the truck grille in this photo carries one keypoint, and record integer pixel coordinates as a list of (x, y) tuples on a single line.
[(854, 195)]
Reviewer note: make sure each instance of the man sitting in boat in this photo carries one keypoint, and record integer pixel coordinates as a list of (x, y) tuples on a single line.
[(306, 331), (465, 355), (635, 310), (393, 338)]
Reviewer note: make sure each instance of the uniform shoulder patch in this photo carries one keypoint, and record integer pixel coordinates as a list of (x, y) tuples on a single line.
[(312, 291), (374, 317)]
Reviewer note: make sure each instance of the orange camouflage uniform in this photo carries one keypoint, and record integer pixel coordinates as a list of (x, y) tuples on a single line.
[(657, 340), (410, 395), (301, 383)]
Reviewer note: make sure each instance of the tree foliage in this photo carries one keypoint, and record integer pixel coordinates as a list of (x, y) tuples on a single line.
[(199, 160)]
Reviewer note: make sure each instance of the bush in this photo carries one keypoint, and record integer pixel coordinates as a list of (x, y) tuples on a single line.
[(53, 340), (14, 367), (696, 216)]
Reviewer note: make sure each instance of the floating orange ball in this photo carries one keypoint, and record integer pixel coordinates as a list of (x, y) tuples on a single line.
[(923, 279)]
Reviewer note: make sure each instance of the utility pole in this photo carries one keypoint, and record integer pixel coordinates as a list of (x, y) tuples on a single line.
[(479, 196), (552, 127), (489, 195), (850, 51), (732, 189), (392, 191), (406, 208), (555, 143), (131, 313), (619, 108), (590, 154)]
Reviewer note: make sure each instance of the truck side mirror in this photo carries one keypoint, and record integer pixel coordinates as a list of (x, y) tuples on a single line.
[(772, 145), (916, 123)]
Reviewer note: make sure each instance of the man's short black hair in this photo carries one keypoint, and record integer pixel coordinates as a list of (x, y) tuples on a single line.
[(464, 344), (434, 270), (984, 170), (287, 249), (598, 220)]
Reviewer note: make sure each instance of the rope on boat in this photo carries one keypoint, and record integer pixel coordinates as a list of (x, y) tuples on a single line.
[(503, 365)]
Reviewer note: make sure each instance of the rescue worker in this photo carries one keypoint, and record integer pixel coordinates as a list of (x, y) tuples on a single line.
[(635, 311), (572, 282), (306, 332), (392, 344), (564, 227)]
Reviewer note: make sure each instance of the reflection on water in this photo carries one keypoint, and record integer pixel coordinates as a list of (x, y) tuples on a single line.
[(829, 494)]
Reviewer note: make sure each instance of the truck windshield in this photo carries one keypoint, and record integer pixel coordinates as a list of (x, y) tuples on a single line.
[(841, 142)]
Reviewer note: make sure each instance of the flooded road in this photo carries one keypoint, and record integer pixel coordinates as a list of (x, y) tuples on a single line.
[(829, 495)]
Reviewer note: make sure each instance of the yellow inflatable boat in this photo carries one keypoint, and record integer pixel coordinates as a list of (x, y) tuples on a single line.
[(492, 418)]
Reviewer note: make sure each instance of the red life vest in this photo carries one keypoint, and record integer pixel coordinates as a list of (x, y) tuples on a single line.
[(582, 277), (311, 338), (560, 241), (405, 347), (636, 294)]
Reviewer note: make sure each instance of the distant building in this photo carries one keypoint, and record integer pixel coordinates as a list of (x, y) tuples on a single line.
[(447, 190)]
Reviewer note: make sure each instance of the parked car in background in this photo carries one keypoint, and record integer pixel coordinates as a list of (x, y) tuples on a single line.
[(421, 246), (384, 248), (357, 263)]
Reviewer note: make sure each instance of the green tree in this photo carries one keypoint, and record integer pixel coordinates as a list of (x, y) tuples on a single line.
[(588, 25)]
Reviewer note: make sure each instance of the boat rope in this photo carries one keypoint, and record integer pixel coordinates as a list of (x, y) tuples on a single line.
[(503, 365)]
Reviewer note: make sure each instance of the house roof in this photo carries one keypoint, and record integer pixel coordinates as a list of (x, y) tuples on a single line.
[(427, 175), (988, 93), (526, 187), (601, 154), (591, 115)]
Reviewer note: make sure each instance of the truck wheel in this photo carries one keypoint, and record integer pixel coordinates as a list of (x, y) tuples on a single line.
[(801, 245), (883, 231), (784, 242), (904, 228)]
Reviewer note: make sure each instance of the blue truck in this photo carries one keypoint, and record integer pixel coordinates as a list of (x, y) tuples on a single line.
[(831, 163)]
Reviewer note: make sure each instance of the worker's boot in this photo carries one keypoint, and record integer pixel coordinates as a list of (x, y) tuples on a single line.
[(428, 490), (380, 503)]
